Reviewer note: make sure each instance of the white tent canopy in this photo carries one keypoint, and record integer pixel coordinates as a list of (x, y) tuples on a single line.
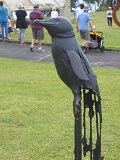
[(12, 5)]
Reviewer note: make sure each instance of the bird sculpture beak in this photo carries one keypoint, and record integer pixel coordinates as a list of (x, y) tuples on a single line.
[(42, 23)]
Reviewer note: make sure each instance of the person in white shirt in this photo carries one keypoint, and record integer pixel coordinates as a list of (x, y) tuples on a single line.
[(77, 10), (54, 13), (109, 16)]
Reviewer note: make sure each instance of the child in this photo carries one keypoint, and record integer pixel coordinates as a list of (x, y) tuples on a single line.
[(9, 27)]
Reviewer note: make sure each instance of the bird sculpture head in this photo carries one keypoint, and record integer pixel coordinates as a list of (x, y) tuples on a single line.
[(59, 27)]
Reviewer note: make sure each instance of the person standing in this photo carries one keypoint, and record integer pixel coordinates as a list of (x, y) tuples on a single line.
[(54, 13), (21, 23), (9, 27), (109, 16), (4, 20), (37, 30), (84, 20), (77, 10)]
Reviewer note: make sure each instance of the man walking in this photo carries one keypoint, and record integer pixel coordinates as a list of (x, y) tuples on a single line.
[(37, 30), (84, 20)]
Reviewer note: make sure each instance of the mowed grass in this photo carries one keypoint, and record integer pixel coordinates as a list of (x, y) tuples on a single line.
[(111, 34), (36, 118)]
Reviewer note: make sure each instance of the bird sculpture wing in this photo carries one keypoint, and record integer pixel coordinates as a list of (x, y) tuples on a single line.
[(77, 66)]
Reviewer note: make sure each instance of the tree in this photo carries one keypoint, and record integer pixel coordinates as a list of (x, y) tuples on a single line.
[(88, 1), (73, 2), (93, 2), (99, 2)]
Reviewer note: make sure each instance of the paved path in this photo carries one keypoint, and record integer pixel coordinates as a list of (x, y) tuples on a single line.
[(95, 57)]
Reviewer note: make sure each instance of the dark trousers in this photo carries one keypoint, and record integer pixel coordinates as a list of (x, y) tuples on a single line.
[(109, 19)]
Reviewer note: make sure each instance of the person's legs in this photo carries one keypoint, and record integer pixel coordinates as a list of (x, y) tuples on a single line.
[(22, 32), (40, 49), (85, 46), (2, 29), (9, 32), (85, 35), (108, 20), (40, 36), (6, 29), (85, 43), (32, 44), (33, 40), (111, 21), (19, 35), (9, 35), (40, 44)]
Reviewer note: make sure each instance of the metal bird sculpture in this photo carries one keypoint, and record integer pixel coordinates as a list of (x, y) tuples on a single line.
[(75, 71)]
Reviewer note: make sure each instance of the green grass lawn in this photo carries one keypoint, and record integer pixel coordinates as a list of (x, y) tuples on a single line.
[(111, 34), (36, 118)]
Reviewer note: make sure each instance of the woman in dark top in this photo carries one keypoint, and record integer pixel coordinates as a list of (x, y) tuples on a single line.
[(21, 23)]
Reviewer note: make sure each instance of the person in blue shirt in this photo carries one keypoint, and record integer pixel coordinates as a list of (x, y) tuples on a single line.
[(84, 22), (4, 20)]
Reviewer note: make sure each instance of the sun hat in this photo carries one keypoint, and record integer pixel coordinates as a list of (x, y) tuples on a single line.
[(36, 5), (86, 8), (53, 8), (20, 5)]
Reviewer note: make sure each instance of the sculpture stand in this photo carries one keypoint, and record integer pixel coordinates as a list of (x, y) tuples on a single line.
[(93, 104), (78, 131)]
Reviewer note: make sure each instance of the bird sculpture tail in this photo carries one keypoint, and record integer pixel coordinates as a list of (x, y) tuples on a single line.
[(88, 140)]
